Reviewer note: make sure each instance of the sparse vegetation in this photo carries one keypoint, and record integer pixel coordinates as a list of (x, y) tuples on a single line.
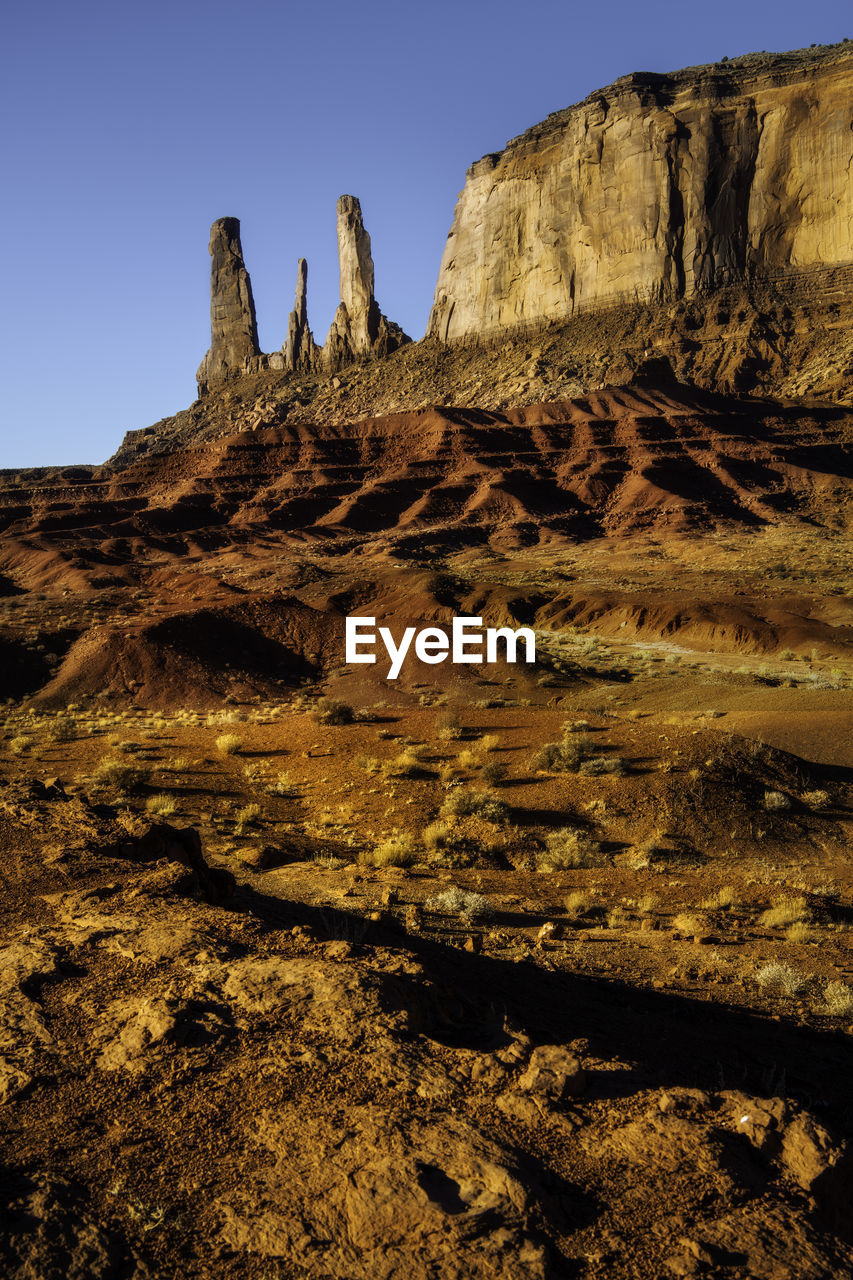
[(247, 816), (723, 900), (449, 727), (118, 777), (333, 711), (781, 978), (569, 847), (838, 999), (461, 902), (228, 744), (408, 764), (576, 904), (493, 773), (465, 803), (690, 925), (789, 911), (398, 850), (435, 836), (561, 757), (161, 804)]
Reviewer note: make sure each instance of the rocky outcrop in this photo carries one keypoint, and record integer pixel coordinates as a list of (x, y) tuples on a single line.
[(359, 330), (299, 349), (234, 347), (660, 187)]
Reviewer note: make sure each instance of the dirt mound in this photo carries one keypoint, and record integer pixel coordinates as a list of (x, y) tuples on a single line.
[(196, 659)]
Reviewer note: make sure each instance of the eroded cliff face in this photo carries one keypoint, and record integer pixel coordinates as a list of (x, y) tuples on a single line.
[(659, 187)]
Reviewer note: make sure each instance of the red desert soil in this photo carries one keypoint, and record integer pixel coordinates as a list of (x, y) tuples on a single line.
[(492, 971)]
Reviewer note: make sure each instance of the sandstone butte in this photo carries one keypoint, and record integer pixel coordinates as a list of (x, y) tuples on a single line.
[(659, 188)]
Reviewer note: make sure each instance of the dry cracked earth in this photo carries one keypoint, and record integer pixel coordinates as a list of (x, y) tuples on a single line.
[(497, 971)]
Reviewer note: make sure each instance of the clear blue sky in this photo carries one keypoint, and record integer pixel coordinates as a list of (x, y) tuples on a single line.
[(127, 128)]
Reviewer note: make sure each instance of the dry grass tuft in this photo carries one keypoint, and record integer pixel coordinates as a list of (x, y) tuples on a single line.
[(464, 803), (399, 850), (788, 911), (838, 999), (577, 904), (118, 777), (566, 848), (162, 804)]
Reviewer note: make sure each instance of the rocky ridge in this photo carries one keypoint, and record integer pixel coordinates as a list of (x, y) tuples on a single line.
[(359, 330)]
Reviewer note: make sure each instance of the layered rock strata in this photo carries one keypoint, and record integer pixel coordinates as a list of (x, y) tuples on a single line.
[(658, 188), (234, 344)]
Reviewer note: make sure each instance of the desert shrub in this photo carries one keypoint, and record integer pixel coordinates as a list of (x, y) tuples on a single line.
[(468, 759), (493, 772), (723, 900), (577, 904), (648, 904), (464, 803), (248, 815), (280, 785), (20, 744), (119, 777), (449, 728), (782, 978), (435, 836), (776, 801), (560, 757), (800, 932), (596, 766), (618, 918), (575, 726), (816, 799), (450, 773), (370, 764), (228, 744), (408, 764), (789, 911), (838, 998), (63, 729), (333, 711), (690, 925), (162, 804), (490, 741), (566, 848), (460, 902), (399, 850)]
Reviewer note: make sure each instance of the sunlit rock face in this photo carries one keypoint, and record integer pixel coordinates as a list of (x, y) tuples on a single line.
[(233, 329), (658, 187)]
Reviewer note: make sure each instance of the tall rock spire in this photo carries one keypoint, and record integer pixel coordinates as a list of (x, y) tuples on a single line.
[(234, 344), (299, 348), (359, 330)]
